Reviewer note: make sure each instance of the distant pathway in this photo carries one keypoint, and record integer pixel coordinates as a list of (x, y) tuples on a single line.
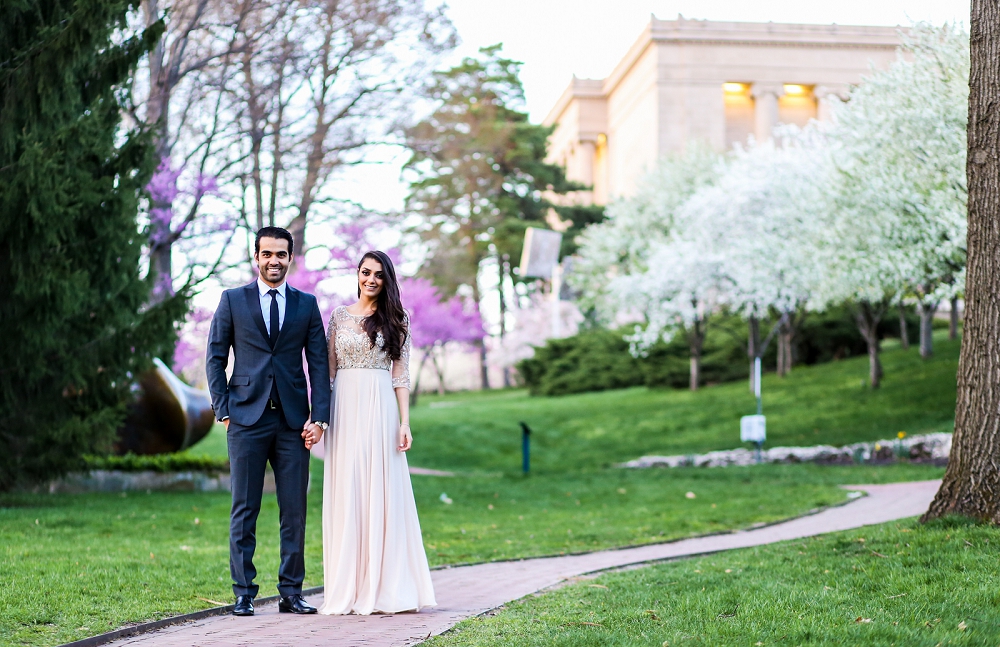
[(467, 591)]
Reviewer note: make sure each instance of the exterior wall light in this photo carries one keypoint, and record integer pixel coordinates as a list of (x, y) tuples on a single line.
[(795, 89), (734, 88)]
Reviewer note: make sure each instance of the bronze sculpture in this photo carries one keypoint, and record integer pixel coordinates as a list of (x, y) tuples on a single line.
[(168, 416)]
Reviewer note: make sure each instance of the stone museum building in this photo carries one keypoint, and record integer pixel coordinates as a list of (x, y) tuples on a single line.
[(698, 80)]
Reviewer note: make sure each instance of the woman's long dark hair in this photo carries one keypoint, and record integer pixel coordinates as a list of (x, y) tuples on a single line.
[(389, 316)]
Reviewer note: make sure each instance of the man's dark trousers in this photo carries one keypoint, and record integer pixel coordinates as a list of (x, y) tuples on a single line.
[(269, 440)]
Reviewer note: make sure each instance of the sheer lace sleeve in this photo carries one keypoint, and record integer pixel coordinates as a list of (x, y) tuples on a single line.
[(331, 345), (401, 366)]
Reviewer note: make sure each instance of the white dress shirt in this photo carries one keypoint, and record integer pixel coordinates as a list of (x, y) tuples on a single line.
[(265, 303)]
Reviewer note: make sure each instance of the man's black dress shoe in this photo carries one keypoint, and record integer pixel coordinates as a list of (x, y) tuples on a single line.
[(244, 606), (294, 604)]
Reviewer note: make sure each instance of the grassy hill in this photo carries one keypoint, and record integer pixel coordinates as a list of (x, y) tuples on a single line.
[(822, 404)]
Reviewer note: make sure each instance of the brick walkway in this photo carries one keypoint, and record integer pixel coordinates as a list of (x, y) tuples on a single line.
[(467, 591)]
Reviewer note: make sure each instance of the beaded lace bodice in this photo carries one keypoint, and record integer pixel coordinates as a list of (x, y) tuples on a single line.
[(350, 347)]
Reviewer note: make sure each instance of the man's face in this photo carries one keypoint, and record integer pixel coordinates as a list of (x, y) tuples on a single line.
[(273, 260)]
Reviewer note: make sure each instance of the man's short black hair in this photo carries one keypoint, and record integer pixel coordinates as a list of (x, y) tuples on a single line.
[(273, 232)]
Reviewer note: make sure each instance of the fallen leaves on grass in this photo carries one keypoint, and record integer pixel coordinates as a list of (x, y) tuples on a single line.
[(215, 602), (652, 615), (893, 597), (860, 620)]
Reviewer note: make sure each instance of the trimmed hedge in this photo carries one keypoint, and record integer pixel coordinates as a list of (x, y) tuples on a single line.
[(599, 359), (157, 463)]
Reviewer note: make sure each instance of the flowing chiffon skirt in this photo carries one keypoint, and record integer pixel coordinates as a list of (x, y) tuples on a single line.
[(373, 552)]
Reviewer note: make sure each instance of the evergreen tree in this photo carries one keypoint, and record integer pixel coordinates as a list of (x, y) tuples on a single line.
[(482, 178), (74, 328)]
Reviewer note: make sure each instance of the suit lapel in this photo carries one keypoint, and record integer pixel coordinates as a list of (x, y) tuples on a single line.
[(291, 309), (253, 303)]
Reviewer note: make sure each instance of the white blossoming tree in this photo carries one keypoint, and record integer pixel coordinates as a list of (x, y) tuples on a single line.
[(682, 287), (763, 218), (902, 152), (623, 242)]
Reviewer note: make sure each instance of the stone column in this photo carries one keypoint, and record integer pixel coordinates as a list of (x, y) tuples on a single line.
[(586, 158), (765, 101)]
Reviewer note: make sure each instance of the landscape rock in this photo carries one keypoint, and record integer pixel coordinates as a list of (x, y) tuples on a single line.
[(926, 447)]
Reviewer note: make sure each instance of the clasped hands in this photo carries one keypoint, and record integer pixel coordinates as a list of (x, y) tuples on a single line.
[(311, 433)]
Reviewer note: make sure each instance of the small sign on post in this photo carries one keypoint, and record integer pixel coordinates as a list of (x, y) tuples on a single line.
[(525, 447), (753, 429), (540, 253)]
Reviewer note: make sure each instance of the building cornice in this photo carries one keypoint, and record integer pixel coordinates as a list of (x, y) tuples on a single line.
[(708, 32), (577, 89)]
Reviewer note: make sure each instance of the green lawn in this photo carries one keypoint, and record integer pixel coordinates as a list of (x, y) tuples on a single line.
[(822, 404), (79, 565), (896, 584)]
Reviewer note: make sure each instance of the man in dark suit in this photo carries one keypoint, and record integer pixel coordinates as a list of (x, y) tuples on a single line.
[(265, 408)]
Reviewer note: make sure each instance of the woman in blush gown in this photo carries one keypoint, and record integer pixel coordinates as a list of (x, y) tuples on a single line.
[(373, 552)]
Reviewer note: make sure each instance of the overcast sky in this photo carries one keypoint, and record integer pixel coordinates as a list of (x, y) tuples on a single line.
[(556, 39)]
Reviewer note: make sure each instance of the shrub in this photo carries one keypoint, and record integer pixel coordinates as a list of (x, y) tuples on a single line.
[(180, 462), (598, 359)]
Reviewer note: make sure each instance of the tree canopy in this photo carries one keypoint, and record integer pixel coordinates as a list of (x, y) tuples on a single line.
[(75, 328)]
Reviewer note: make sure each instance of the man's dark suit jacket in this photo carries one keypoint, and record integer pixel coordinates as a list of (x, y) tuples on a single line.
[(239, 324)]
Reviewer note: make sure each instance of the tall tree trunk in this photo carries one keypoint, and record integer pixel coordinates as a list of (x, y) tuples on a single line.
[(904, 334), (439, 368), (157, 113), (787, 331), (484, 374), (416, 380), (867, 315), (953, 319), (971, 484), (926, 312), (785, 359), (780, 368), (753, 343), (502, 274), (696, 341)]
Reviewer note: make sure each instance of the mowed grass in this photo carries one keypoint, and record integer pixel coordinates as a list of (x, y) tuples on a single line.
[(508, 517), (901, 584), (822, 404), (79, 565)]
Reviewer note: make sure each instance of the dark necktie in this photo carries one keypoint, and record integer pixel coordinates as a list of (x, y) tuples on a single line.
[(274, 317)]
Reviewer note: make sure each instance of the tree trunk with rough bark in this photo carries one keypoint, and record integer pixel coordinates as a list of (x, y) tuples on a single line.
[(926, 312), (904, 334), (867, 315), (157, 112), (971, 485), (484, 373), (502, 274), (696, 341), (439, 367)]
